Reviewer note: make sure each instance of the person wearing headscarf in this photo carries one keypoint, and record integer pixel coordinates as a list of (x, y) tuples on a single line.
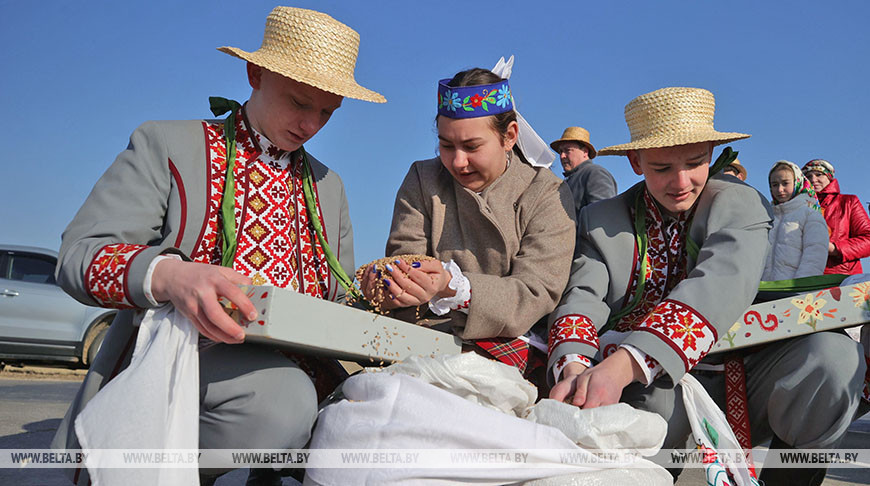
[(799, 237), (848, 224), (498, 222)]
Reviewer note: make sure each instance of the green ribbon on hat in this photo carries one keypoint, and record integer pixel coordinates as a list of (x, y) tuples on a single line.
[(219, 106)]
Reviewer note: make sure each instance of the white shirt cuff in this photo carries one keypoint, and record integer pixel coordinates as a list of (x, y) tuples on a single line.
[(460, 284), (150, 273), (566, 360), (651, 368)]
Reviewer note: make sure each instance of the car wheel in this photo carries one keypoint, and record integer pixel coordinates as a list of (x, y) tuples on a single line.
[(93, 341)]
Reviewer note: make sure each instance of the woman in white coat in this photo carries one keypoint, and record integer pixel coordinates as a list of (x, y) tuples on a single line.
[(799, 238)]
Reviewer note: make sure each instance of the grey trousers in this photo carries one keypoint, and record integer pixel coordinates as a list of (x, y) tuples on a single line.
[(252, 397), (806, 391)]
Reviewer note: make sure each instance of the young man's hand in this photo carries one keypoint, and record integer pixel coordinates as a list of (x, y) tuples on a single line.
[(600, 385), (194, 289)]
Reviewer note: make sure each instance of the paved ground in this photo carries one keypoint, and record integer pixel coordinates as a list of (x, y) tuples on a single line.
[(33, 400)]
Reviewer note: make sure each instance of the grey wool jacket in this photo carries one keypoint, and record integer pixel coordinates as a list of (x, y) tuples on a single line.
[(513, 241), (158, 198), (730, 226), (589, 183)]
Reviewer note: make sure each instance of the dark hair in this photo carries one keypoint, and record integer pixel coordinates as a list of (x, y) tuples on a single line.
[(478, 76)]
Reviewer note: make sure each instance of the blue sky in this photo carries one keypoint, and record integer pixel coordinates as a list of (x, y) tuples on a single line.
[(79, 77)]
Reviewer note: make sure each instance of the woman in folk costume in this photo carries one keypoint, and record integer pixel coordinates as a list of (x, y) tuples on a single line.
[(497, 221), (664, 269), (799, 238), (848, 224)]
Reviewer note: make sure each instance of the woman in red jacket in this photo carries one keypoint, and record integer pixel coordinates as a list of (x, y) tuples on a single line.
[(848, 224)]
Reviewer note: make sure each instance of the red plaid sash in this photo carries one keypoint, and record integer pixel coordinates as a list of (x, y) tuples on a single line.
[(512, 351)]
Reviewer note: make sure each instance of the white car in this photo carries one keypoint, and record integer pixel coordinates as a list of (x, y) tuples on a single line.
[(38, 320)]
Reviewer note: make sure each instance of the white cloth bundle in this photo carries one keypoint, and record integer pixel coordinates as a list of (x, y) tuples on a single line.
[(392, 410), (152, 404)]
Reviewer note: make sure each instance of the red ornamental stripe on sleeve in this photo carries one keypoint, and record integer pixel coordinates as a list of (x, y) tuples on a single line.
[(106, 277), (685, 330), (573, 328)]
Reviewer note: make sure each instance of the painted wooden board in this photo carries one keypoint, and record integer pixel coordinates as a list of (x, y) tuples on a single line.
[(827, 309), (304, 324)]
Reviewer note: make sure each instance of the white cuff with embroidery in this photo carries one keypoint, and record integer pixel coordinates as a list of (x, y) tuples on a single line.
[(568, 359), (150, 273), (651, 368), (460, 284)]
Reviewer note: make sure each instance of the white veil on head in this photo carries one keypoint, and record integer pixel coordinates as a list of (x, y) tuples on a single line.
[(533, 147)]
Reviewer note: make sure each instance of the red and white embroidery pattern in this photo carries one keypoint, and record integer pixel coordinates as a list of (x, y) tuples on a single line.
[(276, 244), (106, 277), (666, 263), (686, 331), (564, 361), (572, 328)]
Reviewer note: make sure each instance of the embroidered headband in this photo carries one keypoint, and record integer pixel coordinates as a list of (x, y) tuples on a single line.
[(474, 101), (819, 165)]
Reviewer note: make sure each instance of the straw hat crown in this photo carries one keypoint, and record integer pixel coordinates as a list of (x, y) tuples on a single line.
[(575, 134), (739, 167), (669, 117), (312, 48)]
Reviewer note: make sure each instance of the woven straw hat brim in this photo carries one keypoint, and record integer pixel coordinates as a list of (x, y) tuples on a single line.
[(592, 152), (342, 87), (663, 141)]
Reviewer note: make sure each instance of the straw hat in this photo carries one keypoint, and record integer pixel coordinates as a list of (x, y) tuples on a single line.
[(669, 117), (312, 48), (738, 167), (576, 134)]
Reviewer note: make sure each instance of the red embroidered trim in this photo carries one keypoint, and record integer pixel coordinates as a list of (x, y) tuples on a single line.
[(577, 358), (736, 402), (182, 197), (106, 276), (685, 330), (572, 328), (465, 304)]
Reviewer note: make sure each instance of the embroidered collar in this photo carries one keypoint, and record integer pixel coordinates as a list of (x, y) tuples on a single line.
[(654, 211)]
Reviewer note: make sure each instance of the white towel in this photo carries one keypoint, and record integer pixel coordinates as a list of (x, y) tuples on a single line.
[(153, 404)]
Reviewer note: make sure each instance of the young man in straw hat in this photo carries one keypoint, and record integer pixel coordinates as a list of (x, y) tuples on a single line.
[(664, 269), (589, 182), (158, 227)]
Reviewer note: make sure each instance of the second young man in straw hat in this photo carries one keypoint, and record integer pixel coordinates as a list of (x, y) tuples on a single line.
[(664, 269), (589, 182), (153, 231)]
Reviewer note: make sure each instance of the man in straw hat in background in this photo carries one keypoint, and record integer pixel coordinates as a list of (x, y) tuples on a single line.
[(736, 169), (180, 218), (664, 269), (589, 182)]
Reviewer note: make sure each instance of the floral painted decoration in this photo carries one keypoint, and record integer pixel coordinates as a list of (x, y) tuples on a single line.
[(474, 101)]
